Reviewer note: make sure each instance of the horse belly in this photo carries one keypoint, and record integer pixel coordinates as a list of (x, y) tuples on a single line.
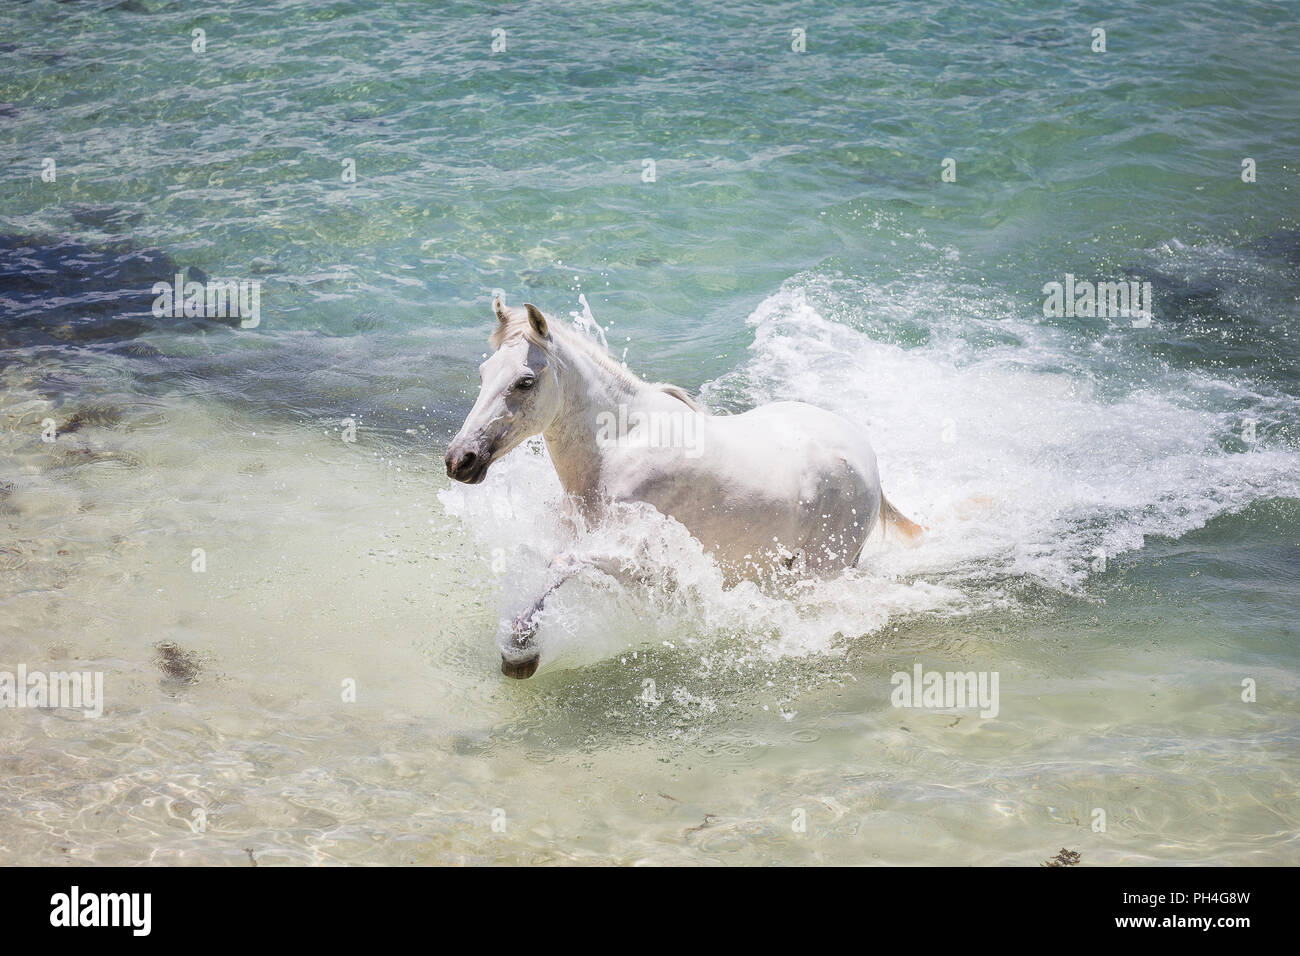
[(767, 491)]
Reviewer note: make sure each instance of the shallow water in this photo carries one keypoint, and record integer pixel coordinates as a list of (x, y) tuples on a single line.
[(797, 243)]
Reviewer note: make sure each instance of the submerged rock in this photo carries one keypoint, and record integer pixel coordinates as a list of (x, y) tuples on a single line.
[(60, 290), (1228, 307), (103, 416), (178, 665), (71, 457)]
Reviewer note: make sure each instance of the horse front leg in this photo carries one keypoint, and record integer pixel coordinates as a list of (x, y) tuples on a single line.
[(520, 654)]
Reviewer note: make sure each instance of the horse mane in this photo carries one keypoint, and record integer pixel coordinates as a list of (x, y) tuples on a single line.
[(516, 325)]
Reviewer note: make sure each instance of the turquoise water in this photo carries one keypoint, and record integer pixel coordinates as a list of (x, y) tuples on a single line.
[(797, 241)]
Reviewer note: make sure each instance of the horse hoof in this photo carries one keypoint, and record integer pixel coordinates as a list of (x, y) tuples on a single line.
[(520, 669)]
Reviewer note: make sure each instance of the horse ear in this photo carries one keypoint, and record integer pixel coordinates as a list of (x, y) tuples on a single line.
[(537, 320), (500, 310)]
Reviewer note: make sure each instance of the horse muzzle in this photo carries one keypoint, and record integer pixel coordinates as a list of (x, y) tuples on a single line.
[(468, 466)]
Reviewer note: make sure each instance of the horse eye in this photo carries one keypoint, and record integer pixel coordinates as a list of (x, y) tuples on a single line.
[(526, 383)]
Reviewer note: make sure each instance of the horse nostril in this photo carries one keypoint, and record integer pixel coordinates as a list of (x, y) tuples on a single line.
[(461, 466)]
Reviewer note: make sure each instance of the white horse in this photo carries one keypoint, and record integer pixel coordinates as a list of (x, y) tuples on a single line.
[(787, 488)]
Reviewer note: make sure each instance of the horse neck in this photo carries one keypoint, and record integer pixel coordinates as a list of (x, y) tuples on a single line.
[(589, 390)]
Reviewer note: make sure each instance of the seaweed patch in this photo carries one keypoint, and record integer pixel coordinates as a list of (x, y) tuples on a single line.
[(178, 665), (1063, 858)]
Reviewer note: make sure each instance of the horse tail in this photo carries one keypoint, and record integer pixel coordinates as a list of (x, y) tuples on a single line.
[(891, 517)]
